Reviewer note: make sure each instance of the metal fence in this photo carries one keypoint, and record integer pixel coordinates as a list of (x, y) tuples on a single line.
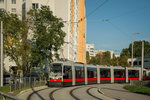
[(19, 83), (137, 82)]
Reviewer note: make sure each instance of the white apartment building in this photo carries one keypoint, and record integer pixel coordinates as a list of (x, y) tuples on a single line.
[(12, 6), (68, 10), (138, 62), (90, 49), (62, 9)]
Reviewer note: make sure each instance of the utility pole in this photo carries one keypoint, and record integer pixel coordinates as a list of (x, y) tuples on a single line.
[(132, 52), (1, 54), (132, 48), (142, 60)]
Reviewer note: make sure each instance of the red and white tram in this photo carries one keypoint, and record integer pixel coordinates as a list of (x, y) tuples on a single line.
[(69, 73)]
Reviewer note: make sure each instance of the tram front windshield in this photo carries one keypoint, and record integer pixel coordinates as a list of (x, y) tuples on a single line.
[(56, 70)]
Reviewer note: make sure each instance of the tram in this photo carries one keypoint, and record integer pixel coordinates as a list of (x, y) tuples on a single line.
[(67, 73)]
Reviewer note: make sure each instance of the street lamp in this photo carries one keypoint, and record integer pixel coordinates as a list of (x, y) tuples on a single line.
[(1, 56), (132, 48)]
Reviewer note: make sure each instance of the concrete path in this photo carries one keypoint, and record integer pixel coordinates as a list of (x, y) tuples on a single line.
[(116, 91), (65, 93), (30, 93), (85, 92)]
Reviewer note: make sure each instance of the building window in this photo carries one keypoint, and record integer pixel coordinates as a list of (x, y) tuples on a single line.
[(1, 1), (35, 5), (13, 1), (13, 10), (139, 62)]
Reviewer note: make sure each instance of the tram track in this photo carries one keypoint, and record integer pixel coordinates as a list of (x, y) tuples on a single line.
[(35, 92), (51, 94), (71, 93), (88, 92)]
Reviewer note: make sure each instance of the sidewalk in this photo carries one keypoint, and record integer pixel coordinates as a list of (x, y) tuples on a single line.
[(116, 91), (24, 94)]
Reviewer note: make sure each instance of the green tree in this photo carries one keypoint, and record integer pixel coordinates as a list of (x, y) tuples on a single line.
[(94, 60), (123, 61), (115, 61), (125, 52), (137, 52), (16, 45), (87, 57), (137, 49), (48, 35), (101, 59)]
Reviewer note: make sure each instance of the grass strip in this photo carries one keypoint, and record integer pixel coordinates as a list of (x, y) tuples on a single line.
[(5, 89), (138, 89)]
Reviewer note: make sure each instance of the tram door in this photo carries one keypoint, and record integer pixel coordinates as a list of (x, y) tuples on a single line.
[(79, 75), (105, 75), (91, 75), (67, 76), (133, 74), (119, 75)]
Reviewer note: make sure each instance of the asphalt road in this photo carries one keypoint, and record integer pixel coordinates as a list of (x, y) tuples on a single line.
[(85, 92)]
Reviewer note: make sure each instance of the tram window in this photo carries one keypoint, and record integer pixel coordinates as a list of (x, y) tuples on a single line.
[(119, 73), (135, 63), (91, 72), (79, 72), (67, 72), (105, 73), (133, 73), (56, 68)]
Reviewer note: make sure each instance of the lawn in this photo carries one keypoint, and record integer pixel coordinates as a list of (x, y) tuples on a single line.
[(138, 89), (5, 89)]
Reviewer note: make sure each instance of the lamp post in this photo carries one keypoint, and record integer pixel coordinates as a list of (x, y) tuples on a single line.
[(132, 47), (1, 54), (142, 60)]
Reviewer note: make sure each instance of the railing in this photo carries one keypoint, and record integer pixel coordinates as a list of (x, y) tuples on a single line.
[(137, 82), (4, 96), (20, 83)]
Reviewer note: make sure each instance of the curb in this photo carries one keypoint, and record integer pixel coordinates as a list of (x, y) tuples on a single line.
[(100, 91), (107, 96)]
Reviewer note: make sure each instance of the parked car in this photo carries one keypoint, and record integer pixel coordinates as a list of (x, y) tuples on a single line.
[(34, 76), (7, 79)]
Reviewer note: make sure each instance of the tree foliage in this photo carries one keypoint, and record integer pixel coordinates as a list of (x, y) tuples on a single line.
[(32, 42), (16, 45), (137, 49), (101, 59), (48, 35)]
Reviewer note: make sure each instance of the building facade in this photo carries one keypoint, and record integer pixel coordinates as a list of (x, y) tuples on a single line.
[(90, 49), (12, 6), (81, 32), (72, 12), (138, 62)]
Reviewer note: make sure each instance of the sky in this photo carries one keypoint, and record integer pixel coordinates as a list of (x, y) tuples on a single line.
[(110, 27)]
